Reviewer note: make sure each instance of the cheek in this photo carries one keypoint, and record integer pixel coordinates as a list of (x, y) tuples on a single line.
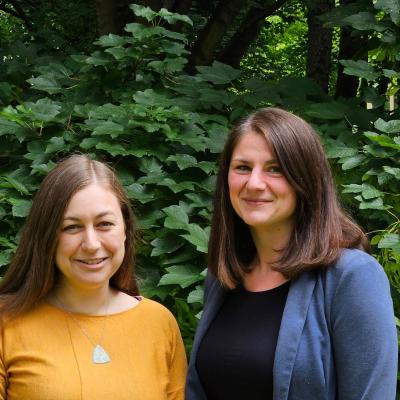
[(116, 241), (65, 247), (290, 195), (235, 182)]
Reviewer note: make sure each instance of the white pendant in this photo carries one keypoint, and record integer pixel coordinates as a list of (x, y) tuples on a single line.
[(100, 356)]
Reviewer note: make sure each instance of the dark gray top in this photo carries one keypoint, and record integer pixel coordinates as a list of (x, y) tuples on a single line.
[(236, 356)]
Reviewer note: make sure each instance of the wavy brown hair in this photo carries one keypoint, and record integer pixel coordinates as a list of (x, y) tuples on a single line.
[(321, 229), (32, 273)]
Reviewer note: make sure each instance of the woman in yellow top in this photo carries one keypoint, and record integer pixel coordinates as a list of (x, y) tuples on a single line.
[(73, 326)]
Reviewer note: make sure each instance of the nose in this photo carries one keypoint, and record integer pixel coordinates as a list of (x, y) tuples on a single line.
[(90, 241), (256, 180)]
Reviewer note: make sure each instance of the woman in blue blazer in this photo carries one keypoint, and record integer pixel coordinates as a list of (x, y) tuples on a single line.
[(294, 307)]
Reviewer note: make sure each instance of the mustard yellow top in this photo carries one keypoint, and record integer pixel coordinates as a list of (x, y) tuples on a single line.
[(45, 356)]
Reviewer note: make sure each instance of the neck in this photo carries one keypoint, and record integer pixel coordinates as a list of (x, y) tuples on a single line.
[(91, 302), (269, 243)]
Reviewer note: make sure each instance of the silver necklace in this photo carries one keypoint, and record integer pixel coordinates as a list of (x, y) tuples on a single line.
[(99, 355)]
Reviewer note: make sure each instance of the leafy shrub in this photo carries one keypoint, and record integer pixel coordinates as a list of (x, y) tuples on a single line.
[(130, 103)]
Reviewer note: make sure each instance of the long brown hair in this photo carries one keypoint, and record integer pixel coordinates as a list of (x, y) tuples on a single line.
[(32, 273), (322, 228)]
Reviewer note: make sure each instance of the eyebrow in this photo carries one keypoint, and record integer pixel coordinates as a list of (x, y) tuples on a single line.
[(102, 214), (244, 161)]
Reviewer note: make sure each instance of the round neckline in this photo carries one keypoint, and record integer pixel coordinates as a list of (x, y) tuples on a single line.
[(140, 299), (282, 286)]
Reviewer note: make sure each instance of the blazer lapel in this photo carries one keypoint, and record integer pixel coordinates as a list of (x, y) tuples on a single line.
[(214, 302), (293, 319), (215, 298)]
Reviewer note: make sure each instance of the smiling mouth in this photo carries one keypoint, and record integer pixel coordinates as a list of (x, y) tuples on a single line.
[(94, 261), (257, 201)]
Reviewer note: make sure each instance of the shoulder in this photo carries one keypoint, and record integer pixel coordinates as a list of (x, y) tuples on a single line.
[(155, 312), (352, 259), (357, 278), (355, 264), (154, 306), (37, 319)]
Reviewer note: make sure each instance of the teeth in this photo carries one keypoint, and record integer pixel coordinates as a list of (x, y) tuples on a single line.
[(92, 262)]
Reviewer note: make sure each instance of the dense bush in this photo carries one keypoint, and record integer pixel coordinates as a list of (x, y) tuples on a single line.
[(130, 103)]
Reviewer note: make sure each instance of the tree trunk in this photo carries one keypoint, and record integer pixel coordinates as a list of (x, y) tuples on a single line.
[(319, 43), (247, 32), (210, 37), (347, 85), (180, 7), (107, 20)]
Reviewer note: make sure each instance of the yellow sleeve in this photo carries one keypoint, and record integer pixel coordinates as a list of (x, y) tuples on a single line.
[(178, 365), (3, 372)]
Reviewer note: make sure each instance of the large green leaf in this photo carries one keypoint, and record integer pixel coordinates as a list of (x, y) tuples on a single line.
[(196, 296), (138, 192), (5, 258), (197, 236), (111, 40), (167, 244), (98, 59), (110, 128), (20, 207), (392, 171), (13, 129), (218, 73), (141, 33), (183, 160), (150, 97), (383, 140), (353, 161), (10, 182), (177, 217), (387, 127), (55, 145), (364, 21), (172, 18), (390, 241), (392, 7), (182, 275), (375, 204), (116, 149), (44, 109), (332, 110), (360, 68), (168, 65), (337, 149), (144, 12), (46, 83)]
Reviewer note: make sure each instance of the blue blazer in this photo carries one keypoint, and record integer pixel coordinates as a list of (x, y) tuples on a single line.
[(337, 339)]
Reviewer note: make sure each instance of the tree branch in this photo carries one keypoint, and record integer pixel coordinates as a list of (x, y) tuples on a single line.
[(8, 11), (16, 11), (247, 32), (210, 37)]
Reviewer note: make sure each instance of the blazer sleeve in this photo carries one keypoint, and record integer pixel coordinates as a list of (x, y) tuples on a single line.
[(363, 330)]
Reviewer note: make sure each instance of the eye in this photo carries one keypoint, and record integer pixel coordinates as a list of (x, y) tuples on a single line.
[(242, 168), (105, 224), (71, 228), (275, 170)]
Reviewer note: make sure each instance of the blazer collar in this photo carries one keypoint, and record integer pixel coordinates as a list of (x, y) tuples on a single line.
[(293, 320)]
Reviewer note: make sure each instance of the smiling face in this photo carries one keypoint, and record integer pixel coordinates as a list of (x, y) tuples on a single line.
[(91, 240), (259, 192)]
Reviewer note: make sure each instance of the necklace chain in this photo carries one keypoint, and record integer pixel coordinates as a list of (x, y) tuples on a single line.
[(99, 356)]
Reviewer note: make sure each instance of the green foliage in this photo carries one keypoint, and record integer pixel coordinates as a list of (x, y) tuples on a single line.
[(280, 49), (128, 102)]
